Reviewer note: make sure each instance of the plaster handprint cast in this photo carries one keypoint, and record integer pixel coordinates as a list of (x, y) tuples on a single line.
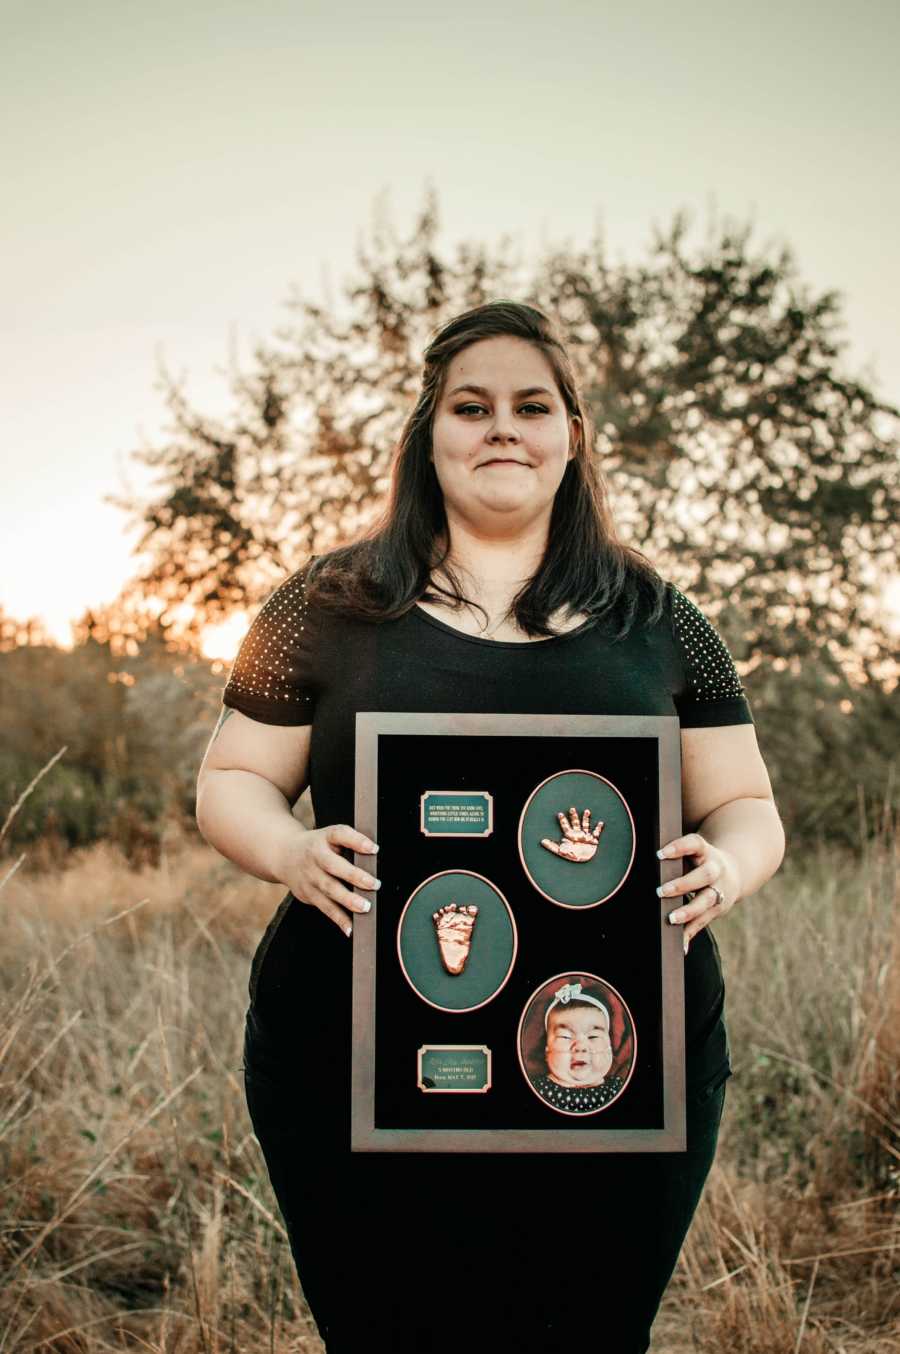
[(454, 927), (550, 861), (579, 839)]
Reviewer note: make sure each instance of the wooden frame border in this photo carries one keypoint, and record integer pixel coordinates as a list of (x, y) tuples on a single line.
[(364, 1136)]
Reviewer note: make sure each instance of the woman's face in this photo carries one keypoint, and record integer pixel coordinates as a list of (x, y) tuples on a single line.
[(500, 450), (578, 1050)]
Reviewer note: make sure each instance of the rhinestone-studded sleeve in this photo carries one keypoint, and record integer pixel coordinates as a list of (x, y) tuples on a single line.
[(711, 691), (273, 679)]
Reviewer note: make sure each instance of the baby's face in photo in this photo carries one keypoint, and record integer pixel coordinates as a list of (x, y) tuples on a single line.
[(578, 1048)]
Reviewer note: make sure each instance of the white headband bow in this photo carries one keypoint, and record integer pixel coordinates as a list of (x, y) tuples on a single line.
[(570, 992)]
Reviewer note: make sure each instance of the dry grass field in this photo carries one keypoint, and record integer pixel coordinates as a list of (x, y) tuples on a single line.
[(136, 1211)]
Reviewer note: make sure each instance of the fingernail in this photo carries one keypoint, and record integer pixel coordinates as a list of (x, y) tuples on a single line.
[(348, 931), (675, 918), (377, 884), (687, 944), (665, 889), (367, 906), (663, 852)]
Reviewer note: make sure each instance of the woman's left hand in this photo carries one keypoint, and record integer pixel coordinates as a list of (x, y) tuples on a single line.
[(712, 885)]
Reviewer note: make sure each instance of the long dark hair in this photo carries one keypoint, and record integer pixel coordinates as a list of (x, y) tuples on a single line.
[(585, 568)]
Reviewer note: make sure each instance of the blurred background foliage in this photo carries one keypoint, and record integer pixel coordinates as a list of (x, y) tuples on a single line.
[(743, 459)]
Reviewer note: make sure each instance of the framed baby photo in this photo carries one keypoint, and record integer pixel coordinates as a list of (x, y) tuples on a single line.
[(516, 986)]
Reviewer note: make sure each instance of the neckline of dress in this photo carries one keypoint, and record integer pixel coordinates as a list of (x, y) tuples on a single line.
[(500, 643)]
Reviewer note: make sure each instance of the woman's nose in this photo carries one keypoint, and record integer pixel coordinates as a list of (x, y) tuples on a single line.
[(503, 428)]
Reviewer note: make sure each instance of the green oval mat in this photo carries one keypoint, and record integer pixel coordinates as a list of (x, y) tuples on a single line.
[(493, 949), (576, 883)]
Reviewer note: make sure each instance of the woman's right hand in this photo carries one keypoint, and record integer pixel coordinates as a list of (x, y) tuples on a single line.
[(316, 873)]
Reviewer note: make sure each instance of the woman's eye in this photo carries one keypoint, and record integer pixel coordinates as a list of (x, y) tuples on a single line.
[(465, 408)]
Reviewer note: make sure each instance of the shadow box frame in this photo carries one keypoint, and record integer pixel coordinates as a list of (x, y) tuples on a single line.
[(562, 1132)]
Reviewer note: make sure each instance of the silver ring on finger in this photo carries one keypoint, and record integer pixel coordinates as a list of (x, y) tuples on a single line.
[(720, 896)]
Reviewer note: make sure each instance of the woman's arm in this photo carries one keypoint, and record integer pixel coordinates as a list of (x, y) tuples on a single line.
[(735, 838), (251, 774)]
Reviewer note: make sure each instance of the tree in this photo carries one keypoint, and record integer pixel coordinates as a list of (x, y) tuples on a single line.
[(303, 460), (743, 459), (742, 456), (16, 633)]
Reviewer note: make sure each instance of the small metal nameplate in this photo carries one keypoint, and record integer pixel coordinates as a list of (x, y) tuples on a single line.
[(454, 1067), (456, 813)]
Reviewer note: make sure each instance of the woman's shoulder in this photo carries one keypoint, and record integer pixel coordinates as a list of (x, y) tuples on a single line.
[(710, 688), (675, 614), (311, 592), (273, 677), (286, 601), (346, 582)]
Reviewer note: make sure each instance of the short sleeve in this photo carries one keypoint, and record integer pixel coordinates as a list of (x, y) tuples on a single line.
[(273, 677), (710, 689)]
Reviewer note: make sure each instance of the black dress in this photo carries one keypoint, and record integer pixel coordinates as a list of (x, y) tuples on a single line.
[(428, 1252)]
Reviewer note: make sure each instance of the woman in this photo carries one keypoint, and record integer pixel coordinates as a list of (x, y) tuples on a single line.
[(494, 582)]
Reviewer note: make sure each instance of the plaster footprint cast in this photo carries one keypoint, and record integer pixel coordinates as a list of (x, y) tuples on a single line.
[(454, 926), (579, 839)]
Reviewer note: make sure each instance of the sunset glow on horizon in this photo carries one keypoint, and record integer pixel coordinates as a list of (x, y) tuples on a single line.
[(221, 642)]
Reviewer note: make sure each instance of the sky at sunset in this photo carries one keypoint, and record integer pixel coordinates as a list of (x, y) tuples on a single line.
[(173, 170)]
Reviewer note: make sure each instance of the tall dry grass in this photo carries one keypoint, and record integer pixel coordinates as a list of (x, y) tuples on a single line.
[(796, 1245), (136, 1210)]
